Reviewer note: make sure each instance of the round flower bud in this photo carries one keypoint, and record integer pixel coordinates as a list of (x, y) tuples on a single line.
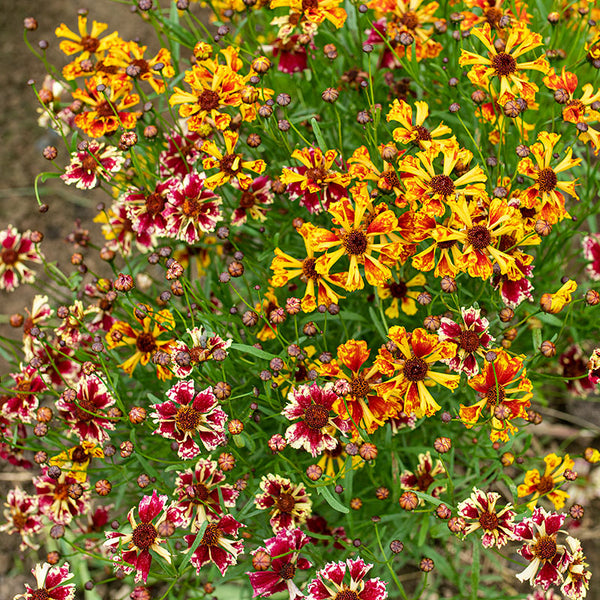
[(314, 472), (426, 565), (330, 95), (507, 459), (506, 314), (448, 284), (382, 493), (443, 512), (592, 298), (548, 349), (235, 427), (456, 524), (442, 444), (396, 546), (408, 501), (368, 451), (261, 560)]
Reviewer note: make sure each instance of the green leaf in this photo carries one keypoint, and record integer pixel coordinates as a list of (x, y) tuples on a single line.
[(318, 134), (332, 500), (380, 328), (253, 351)]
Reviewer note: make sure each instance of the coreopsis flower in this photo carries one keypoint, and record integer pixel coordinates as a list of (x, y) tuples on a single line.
[(355, 239), (544, 595), (415, 354), (288, 503), (424, 476), (401, 295), (503, 64), (492, 11), (118, 231), (546, 189), (331, 582), (230, 164), (91, 164), (554, 303), (75, 461), (16, 249), (591, 252), (51, 583), (85, 44), (318, 289), (481, 513), (55, 501), (514, 291), (146, 342), (575, 367), (21, 516), (283, 553), (188, 416), (541, 548), (192, 208), (412, 130), (307, 15), (432, 190), (315, 182), (314, 406), (333, 462), (471, 338), (108, 109), (181, 153), (146, 207), (505, 394), (361, 401), (202, 348), (21, 401), (576, 577), (548, 483), (201, 493), (85, 410), (132, 550), (253, 201), (216, 545)]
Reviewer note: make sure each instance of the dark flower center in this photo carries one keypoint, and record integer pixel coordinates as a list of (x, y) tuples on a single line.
[(424, 481), (61, 491), (247, 200), (415, 369), (547, 180), (442, 185), (231, 164), (19, 520), (208, 100), (316, 416), (316, 174), (9, 256), (89, 43), (187, 418), (479, 237), (308, 269), (309, 5), (391, 179), (105, 109), (287, 571), (469, 341), (545, 485), (359, 388), (355, 242), (504, 64), (545, 548), (495, 395), (145, 342), (347, 594), (211, 536), (201, 492), (40, 595), (89, 163), (285, 503), (155, 203), (398, 289), (446, 244), (142, 65), (81, 412), (422, 133), (191, 207), (144, 535), (493, 15), (410, 20), (488, 521), (79, 455)]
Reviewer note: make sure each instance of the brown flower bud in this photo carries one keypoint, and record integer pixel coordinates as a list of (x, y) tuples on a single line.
[(506, 314), (426, 565), (382, 493), (408, 501), (432, 322), (548, 349), (123, 283), (511, 109), (226, 461), (222, 390), (443, 512), (542, 227), (126, 449), (330, 95), (576, 511), (456, 524), (448, 284), (368, 451), (261, 560), (592, 298), (249, 318), (396, 546), (314, 472), (103, 487), (137, 415), (442, 444), (254, 140), (235, 427), (356, 503)]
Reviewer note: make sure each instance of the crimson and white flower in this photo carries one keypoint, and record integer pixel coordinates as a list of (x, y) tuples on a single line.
[(471, 338), (282, 552), (132, 550), (192, 209), (188, 416), (253, 201), (541, 548), (21, 402), (481, 510), (313, 405), (204, 347), (544, 595), (515, 291), (145, 208), (85, 409), (423, 476), (15, 248), (288, 502), (181, 154), (331, 582), (51, 584), (118, 232), (577, 576), (201, 491), (219, 544), (40, 312), (61, 499), (22, 516), (92, 163), (591, 252)]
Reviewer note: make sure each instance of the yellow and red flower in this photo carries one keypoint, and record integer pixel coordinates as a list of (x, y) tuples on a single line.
[(307, 12), (554, 303), (547, 484), (86, 44), (401, 294)]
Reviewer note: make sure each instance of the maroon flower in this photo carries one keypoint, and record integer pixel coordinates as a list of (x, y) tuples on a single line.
[(145, 208), (22, 516), (574, 365), (252, 201), (331, 583), (313, 405), (424, 476), (51, 584), (514, 291), (90, 165), (215, 547), (283, 551), (22, 402), (591, 252), (15, 248), (187, 415), (85, 410)]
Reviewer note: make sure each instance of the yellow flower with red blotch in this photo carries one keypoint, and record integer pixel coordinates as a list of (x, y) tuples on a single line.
[(145, 340), (554, 303), (318, 291), (503, 64), (409, 369), (87, 44), (75, 461), (356, 239), (492, 12), (230, 164), (546, 189), (401, 295), (505, 395), (107, 103), (312, 12), (547, 484)]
